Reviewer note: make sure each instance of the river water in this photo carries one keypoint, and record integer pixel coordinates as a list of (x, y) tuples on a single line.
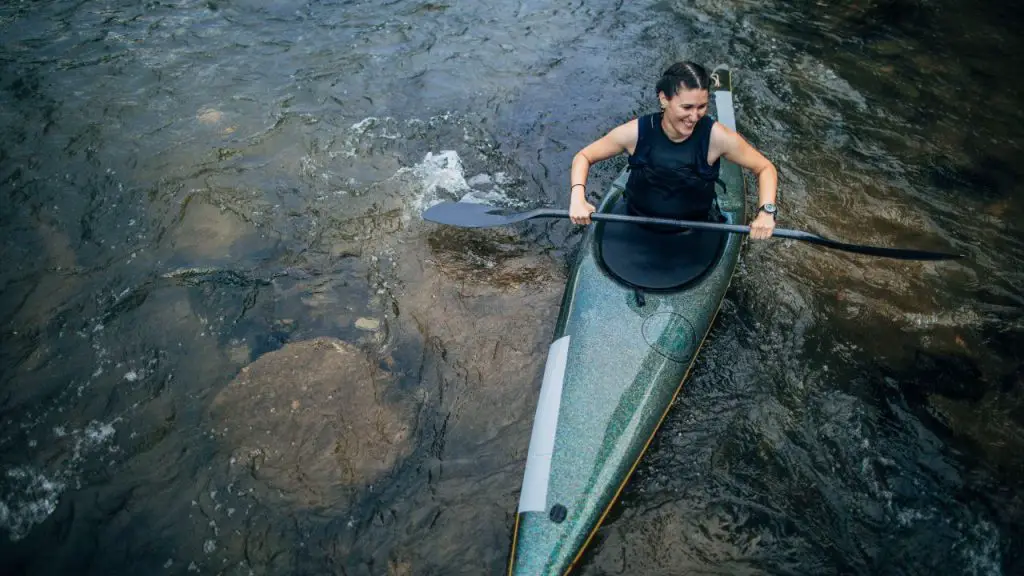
[(199, 198)]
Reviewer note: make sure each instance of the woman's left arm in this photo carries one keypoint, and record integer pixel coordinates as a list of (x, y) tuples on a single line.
[(728, 143)]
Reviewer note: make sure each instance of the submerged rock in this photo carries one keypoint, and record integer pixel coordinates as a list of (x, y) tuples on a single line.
[(207, 231), (369, 324), (310, 422), (209, 116)]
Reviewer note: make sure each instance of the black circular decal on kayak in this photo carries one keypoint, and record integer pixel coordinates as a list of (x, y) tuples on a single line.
[(671, 335), (558, 513)]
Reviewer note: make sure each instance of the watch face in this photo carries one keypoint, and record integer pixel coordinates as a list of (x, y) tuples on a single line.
[(769, 208)]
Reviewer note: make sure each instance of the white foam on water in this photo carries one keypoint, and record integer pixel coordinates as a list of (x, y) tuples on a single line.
[(441, 171), (442, 177), (979, 543), (962, 317), (31, 498), (365, 124), (910, 516), (30, 495), (439, 176), (93, 435), (494, 196), (981, 551), (368, 128), (480, 180)]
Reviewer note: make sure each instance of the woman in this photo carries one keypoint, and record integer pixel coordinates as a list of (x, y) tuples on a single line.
[(674, 157)]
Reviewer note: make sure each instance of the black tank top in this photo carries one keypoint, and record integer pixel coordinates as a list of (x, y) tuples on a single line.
[(671, 179)]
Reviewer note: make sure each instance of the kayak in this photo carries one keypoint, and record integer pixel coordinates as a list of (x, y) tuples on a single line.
[(636, 309)]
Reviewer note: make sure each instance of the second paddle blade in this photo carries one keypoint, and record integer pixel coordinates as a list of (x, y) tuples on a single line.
[(469, 215)]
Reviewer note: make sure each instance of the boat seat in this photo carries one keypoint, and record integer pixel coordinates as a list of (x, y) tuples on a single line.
[(655, 259)]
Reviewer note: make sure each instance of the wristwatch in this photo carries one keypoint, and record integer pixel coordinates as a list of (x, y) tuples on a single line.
[(769, 208)]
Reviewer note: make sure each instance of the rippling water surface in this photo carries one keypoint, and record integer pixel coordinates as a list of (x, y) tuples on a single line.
[(210, 211)]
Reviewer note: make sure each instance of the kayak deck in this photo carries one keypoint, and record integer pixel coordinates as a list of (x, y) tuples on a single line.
[(614, 368)]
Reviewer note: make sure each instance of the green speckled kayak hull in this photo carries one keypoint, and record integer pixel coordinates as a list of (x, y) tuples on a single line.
[(612, 373)]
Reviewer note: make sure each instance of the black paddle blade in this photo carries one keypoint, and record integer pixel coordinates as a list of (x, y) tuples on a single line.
[(898, 253), (470, 215)]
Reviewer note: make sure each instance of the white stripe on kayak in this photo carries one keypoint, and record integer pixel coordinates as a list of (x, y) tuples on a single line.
[(726, 114), (534, 495)]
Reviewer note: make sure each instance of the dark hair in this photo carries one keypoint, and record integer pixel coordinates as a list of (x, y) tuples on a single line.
[(687, 75)]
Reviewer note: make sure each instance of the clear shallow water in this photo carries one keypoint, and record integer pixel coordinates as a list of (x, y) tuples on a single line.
[(189, 186)]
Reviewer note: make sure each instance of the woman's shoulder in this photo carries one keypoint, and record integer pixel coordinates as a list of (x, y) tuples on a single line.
[(720, 131), (629, 126), (625, 135), (722, 138)]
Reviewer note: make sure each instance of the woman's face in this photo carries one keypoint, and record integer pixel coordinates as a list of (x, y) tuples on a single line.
[(683, 110)]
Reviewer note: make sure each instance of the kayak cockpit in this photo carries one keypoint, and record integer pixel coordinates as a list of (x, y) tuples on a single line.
[(655, 259)]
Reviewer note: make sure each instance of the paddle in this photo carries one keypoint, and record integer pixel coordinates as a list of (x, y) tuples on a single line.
[(472, 215)]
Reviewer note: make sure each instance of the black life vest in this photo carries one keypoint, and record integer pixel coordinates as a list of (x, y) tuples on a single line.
[(672, 179)]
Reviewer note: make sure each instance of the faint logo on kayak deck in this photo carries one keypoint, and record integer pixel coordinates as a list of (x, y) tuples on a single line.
[(670, 335)]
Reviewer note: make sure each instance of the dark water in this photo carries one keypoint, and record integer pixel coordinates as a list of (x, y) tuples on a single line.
[(191, 186)]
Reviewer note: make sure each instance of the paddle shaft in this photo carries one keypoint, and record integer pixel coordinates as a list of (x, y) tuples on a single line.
[(695, 224), (472, 215), (899, 253)]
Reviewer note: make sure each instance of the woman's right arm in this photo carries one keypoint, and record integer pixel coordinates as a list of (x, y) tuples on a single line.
[(620, 139)]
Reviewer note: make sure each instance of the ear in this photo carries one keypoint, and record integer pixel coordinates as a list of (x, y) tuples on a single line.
[(662, 100)]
